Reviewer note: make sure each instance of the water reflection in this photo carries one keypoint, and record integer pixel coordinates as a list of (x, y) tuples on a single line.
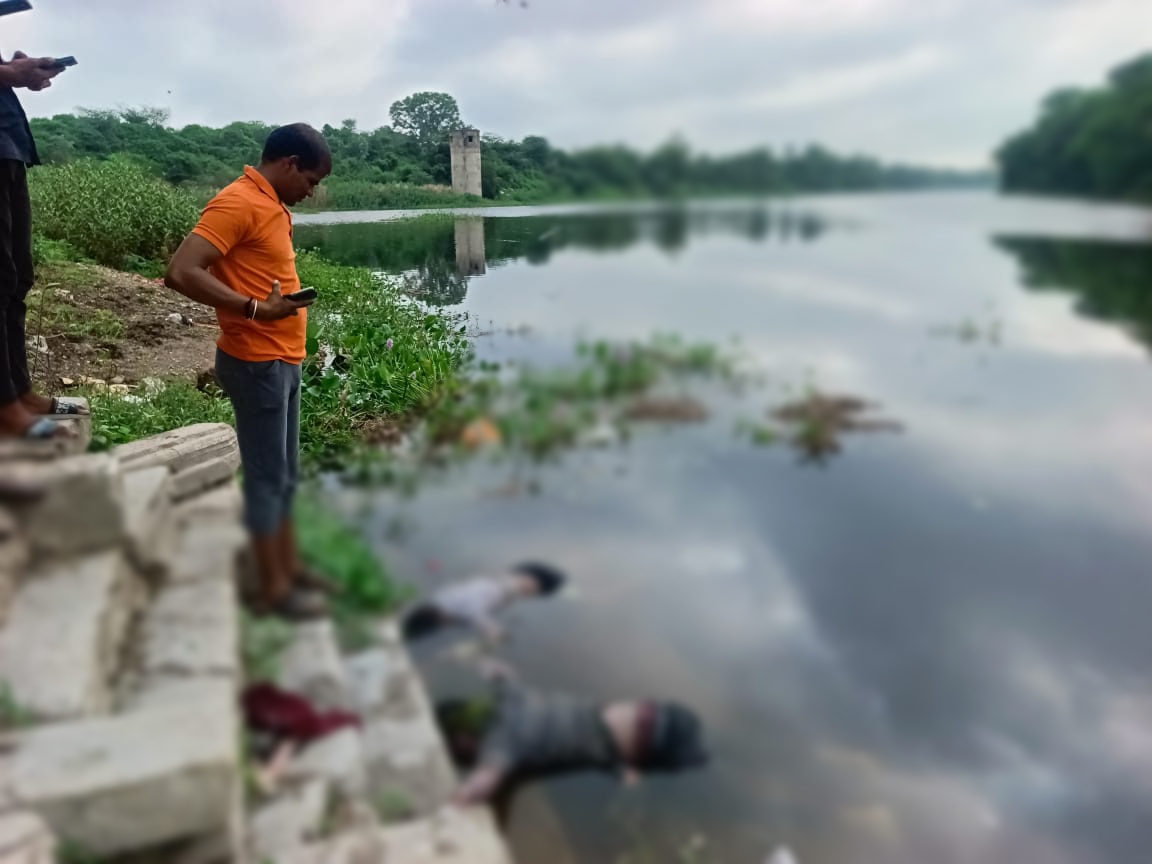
[(436, 255), (1112, 281), (936, 650)]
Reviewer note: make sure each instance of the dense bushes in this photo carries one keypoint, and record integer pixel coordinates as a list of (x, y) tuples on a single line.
[(112, 211), (1094, 142)]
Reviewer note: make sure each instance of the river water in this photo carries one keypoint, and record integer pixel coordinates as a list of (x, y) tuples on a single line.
[(934, 646)]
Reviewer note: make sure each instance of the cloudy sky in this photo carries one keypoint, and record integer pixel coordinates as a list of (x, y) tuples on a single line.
[(939, 81)]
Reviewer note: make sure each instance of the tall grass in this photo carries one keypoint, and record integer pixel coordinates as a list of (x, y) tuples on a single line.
[(113, 212), (365, 195)]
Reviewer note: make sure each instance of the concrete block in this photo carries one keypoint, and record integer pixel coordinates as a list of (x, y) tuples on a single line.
[(147, 508), (206, 547), (337, 758), (114, 784), (225, 503), (182, 448), (451, 835), (369, 675), (81, 509), (358, 847), (202, 477), (408, 758), (192, 628), (25, 839), (311, 665), (292, 820), (61, 642), (163, 690)]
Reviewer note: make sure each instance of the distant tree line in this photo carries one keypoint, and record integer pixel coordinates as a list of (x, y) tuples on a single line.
[(1093, 142), (408, 163)]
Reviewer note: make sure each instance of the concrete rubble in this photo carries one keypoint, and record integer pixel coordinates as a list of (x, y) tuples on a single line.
[(120, 671)]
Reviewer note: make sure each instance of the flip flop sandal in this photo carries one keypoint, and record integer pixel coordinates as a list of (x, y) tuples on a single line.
[(69, 409), (44, 429)]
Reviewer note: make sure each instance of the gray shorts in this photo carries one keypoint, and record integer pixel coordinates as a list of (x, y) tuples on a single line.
[(266, 398)]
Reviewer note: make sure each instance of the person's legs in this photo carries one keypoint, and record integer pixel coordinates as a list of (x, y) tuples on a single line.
[(261, 429), (289, 550), (15, 418)]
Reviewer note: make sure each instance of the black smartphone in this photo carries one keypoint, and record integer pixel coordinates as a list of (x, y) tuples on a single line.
[(7, 7), (303, 295), (64, 61)]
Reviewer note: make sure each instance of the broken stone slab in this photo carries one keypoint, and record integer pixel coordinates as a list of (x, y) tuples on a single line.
[(311, 665), (182, 448), (337, 758), (223, 504), (202, 477), (407, 758), (163, 690), (451, 835), (369, 675), (192, 628), (60, 644), (290, 821), (25, 839), (147, 506), (115, 784), (81, 508), (206, 546), (353, 847)]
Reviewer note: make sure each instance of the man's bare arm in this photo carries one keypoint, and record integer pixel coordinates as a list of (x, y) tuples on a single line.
[(188, 273), (479, 786)]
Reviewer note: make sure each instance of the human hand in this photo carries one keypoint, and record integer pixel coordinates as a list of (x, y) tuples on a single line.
[(35, 73), (276, 306)]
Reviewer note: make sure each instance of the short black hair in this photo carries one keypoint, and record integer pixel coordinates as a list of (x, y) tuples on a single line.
[(422, 621), (547, 577), (299, 140)]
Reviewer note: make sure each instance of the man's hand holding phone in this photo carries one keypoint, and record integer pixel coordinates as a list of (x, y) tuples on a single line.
[(35, 73), (277, 306)]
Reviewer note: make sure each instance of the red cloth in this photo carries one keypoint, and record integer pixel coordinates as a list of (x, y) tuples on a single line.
[(287, 715)]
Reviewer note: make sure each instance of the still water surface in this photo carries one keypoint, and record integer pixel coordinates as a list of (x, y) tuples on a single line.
[(933, 648)]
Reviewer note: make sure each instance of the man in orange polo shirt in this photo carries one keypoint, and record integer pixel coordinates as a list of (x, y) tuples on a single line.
[(240, 260)]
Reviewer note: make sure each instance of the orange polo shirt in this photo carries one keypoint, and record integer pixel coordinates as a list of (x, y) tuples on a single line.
[(253, 231)]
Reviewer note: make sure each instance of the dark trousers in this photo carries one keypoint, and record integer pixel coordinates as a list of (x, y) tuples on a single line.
[(16, 278), (266, 398)]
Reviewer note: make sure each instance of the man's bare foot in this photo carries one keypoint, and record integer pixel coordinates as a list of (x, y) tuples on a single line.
[(42, 405), (37, 404), (16, 421)]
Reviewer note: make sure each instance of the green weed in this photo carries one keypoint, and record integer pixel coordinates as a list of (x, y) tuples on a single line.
[(114, 212), (119, 419)]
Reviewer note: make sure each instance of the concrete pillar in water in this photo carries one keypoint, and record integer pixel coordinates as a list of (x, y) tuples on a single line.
[(470, 258), (466, 161)]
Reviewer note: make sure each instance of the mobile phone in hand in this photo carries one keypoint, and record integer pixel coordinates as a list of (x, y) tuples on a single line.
[(7, 7), (302, 296), (64, 61)]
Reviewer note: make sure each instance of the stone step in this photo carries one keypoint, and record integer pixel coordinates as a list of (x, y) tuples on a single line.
[(115, 784), (80, 508), (25, 839), (182, 449), (310, 665), (452, 836), (404, 750), (147, 512), (202, 477), (61, 642)]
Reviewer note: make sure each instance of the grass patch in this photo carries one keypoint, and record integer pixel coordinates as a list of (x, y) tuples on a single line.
[(54, 311), (120, 419), (367, 589)]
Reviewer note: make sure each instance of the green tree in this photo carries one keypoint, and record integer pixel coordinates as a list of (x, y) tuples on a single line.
[(427, 117)]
